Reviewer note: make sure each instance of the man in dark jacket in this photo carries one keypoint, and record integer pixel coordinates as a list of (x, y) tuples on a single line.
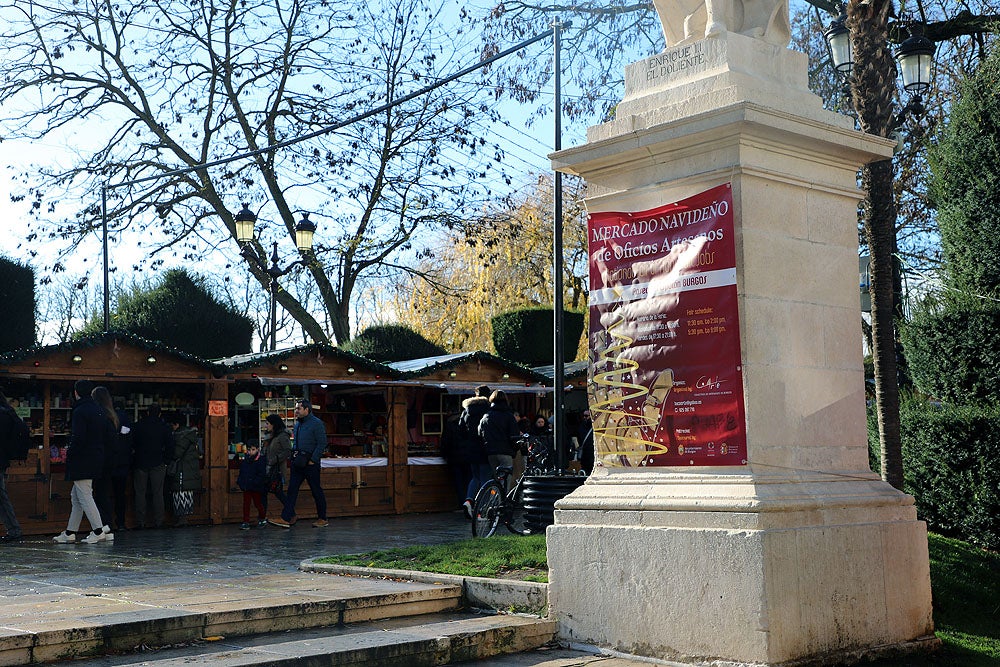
[(308, 446), (499, 431), (7, 517), (470, 449), (152, 449)]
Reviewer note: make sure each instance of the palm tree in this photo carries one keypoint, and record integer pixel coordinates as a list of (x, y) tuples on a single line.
[(872, 89)]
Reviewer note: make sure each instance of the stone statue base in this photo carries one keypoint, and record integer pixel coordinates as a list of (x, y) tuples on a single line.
[(804, 553), (745, 569)]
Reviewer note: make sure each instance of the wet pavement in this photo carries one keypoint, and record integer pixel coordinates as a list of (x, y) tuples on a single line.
[(176, 555), (169, 576)]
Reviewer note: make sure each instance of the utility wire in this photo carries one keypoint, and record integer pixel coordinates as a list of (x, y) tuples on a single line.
[(336, 126)]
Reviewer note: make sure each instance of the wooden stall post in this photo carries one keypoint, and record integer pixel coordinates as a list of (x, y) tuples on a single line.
[(217, 449), (398, 450)]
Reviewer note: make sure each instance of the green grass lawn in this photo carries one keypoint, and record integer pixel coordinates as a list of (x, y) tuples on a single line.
[(965, 582), (501, 556)]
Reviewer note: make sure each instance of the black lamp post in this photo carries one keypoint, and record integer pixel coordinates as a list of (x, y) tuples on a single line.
[(914, 56), (245, 221), (838, 37)]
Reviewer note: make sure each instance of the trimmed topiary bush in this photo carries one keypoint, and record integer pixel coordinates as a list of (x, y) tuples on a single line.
[(181, 312), (951, 348), (964, 185), (953, 468), (954, 353), (392, 342), (18, 330), (526, 335)]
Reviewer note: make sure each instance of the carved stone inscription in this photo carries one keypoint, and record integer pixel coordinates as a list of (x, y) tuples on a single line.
[(676, 60)]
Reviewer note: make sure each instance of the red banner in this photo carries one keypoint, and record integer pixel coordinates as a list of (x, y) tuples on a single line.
[(666, 376)]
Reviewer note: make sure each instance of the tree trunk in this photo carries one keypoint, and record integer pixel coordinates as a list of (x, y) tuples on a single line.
[(873, 88), (880, 233)]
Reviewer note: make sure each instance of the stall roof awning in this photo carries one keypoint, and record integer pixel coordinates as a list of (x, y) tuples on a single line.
[(570, 370), (414, 368), (451, 387)]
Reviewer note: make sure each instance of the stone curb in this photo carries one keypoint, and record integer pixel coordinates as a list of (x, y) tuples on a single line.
[(527, 597)]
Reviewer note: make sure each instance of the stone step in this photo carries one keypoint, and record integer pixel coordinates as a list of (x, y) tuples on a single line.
[(416, 641), (73, 623)]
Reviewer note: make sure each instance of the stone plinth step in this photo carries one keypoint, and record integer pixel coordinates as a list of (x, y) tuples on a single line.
[(433, 639), (72, 624)]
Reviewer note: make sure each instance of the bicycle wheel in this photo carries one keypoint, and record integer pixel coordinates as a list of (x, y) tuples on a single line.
[(486, 509), (513, 513)]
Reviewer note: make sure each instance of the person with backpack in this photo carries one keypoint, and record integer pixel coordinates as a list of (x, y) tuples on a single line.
[(12, 432), (499, 431), (470, 449)]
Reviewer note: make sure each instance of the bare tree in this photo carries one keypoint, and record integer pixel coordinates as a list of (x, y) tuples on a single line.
[(147, 88)]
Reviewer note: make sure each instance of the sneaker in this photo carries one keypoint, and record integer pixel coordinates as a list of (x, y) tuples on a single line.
[(94, 538), (10, 539), (281, 523), (320, 523), (64, 538), (467, 506), (262, 523), (244, 526)]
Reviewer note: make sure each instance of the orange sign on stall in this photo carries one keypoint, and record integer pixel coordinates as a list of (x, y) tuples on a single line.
[(218, 408)]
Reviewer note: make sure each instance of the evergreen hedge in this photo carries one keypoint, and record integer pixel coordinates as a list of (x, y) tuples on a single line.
[(951, 348), (18, 330), (526, 335), (954, 353), (964, 184), (952, 468), (386, 343), (180, 312)]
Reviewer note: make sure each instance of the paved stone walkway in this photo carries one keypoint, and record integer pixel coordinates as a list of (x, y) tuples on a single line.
[(175, 555), (209, 571)]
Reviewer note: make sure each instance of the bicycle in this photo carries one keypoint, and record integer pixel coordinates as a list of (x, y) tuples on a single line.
[(492, 506)]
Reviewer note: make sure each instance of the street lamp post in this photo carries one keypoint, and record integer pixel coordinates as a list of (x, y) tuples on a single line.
[(245, 221)]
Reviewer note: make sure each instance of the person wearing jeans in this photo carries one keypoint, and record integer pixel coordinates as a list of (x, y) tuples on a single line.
[(84, 462), (152, 449), (309, 441)]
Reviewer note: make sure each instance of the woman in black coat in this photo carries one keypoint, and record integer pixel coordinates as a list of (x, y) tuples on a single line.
[(114, 451), (84, 463)]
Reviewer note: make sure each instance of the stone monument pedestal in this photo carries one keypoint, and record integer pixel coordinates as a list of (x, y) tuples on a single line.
[(804, 553)]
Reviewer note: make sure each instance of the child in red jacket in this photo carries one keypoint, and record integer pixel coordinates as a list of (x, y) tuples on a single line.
[(253, 481)]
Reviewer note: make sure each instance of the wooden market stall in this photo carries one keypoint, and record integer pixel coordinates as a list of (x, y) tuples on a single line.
[(347, 393), (436, 388), (39, 384), (384, 422)]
